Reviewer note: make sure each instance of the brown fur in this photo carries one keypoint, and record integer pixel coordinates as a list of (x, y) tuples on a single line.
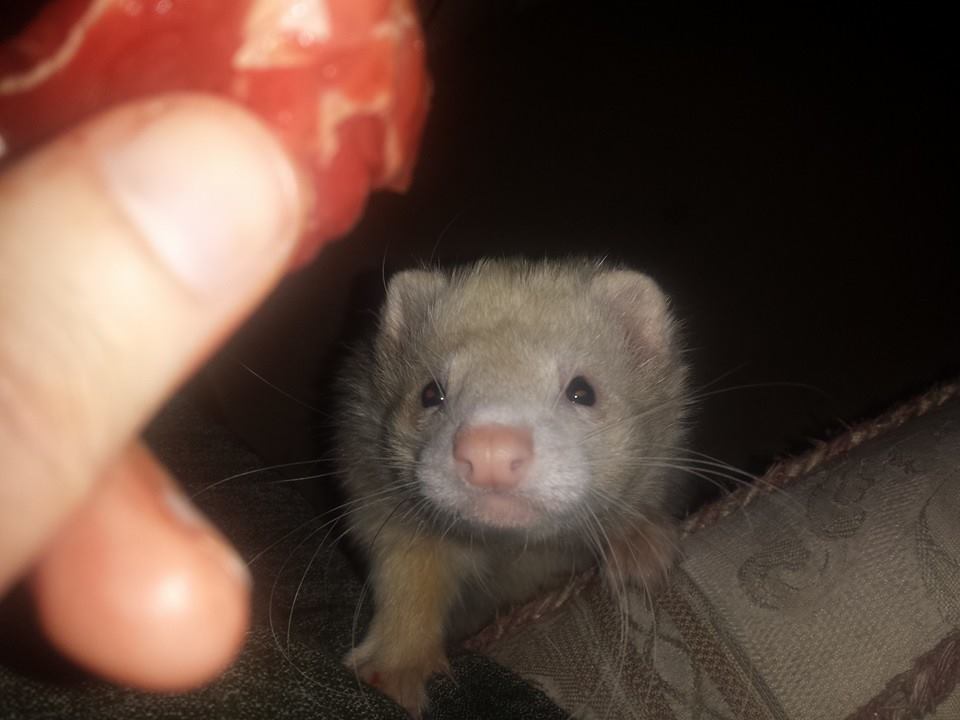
[(504, 337), (405, 643)]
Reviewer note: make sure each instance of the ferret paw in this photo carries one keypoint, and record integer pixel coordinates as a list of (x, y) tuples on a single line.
[(403, 682), (642, 556)]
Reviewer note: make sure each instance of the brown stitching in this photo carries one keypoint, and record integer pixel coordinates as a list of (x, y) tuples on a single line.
[(529, 612), (919, 690), (784, 472), (780, 475), (706, 650)]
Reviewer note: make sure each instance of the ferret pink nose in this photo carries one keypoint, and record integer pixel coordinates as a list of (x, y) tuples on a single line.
[(493, 456)]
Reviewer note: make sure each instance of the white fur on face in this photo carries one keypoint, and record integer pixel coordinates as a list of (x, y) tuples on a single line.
[(555, 483), (504, 340)]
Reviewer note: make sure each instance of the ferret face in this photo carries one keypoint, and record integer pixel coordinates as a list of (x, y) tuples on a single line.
[(524, 397)]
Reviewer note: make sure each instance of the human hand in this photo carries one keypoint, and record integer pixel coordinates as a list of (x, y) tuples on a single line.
[(129, 249)]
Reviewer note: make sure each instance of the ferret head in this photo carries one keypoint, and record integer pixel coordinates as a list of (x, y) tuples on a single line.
[(529, 396)]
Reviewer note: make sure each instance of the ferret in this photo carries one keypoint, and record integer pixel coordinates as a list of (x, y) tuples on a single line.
[(506, 429)]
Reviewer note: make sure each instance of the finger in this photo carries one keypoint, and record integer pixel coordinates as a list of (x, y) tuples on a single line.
[(128, 248), (138, 587)]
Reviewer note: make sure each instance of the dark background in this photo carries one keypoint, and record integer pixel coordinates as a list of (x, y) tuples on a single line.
[(788, 175), (790, 178)]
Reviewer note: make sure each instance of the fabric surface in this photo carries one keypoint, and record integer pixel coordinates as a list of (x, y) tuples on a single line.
[(836, 597), (290, 667)]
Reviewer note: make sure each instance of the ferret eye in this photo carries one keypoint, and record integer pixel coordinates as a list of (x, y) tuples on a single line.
[(432, 395), (579, 391)]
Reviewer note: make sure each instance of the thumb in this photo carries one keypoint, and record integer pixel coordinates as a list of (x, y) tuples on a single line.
[(128, 249)]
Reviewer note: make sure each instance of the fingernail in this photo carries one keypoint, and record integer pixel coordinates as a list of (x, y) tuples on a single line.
[(208, 188), (189, 517)]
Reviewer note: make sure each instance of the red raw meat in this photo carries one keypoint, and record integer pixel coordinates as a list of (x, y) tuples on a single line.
[(342, 82)]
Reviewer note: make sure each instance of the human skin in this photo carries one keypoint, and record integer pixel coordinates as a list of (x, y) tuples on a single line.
[(130, 247)]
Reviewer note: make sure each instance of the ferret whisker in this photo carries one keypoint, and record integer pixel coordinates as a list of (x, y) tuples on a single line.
[(284, 652), (383, 266), (256, 556), (303, 578), (703, 474), (620, 422), (721, 377), (415, 511), (273, 386), (620, 590), (686, 464), (717, 462), (698, 396), (478, 575), (304, 478), (254, 471), (647, 593), (739, 478), (665, 564), (337, 539), (363, 590), (448, 528), (638, 521), (593, 540), (355, 625), (753, 479), (355, 503), (443, 233), (617, 585), (287, 656), (706, 473), (358, 504)]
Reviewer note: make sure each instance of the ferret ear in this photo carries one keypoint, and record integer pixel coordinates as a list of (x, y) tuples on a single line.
[(408, 296), (641, 305)]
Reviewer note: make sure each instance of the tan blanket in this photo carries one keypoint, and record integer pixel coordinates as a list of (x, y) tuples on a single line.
[(831, 590)]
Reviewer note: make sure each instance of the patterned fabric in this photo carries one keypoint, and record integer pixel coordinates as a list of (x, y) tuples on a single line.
[(836, 597)]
